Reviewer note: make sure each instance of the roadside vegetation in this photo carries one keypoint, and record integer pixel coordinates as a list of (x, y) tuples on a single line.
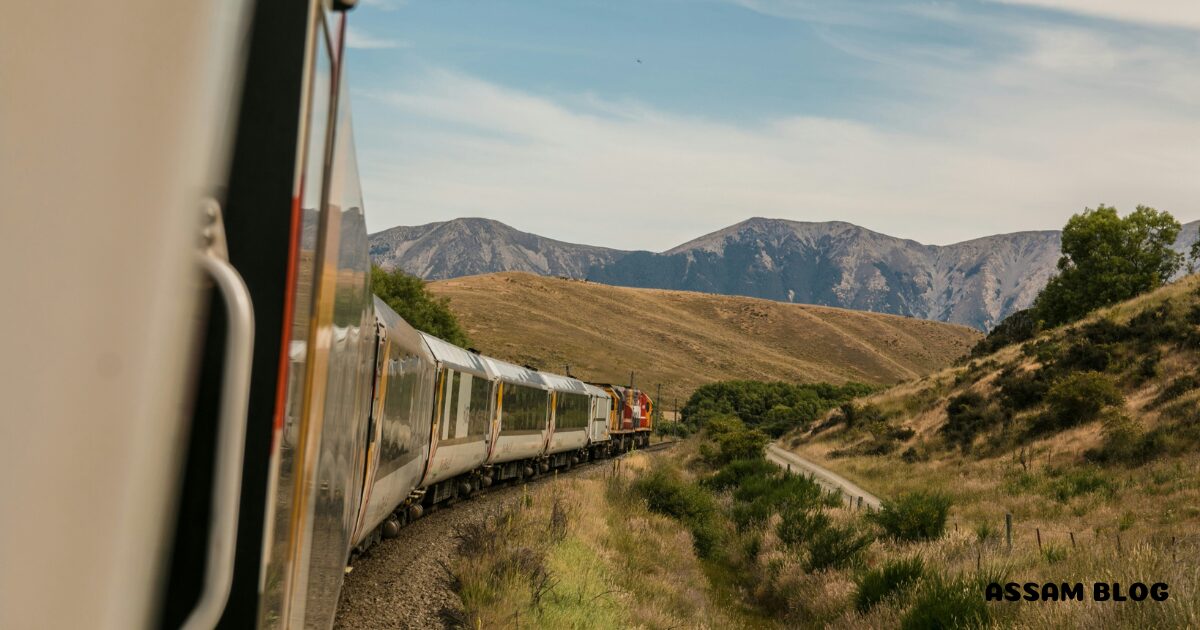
[(773, 408), (1084, 435)]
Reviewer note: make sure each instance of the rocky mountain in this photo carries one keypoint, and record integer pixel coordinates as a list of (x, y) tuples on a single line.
[(466, 247), (977, 282)]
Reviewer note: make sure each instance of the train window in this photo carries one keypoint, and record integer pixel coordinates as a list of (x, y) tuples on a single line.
[(480, 406), (524, 408), (450, 411), (570, 411)]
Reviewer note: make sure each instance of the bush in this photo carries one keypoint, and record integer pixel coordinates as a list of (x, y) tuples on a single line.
[(1080, 398), (759, 497), (732, 441), (1176, 388), (1125, 442), (1019, 326), (914, 516), (894, 577), (1081, 481), (1021, 389), (947, 603), (798, 526), (667, 493), (736, 472), (854, 416), (967, 415), (836, 547), (753, 401)]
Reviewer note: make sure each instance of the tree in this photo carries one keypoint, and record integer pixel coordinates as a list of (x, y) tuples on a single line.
[(1107, 259), (411, 299)]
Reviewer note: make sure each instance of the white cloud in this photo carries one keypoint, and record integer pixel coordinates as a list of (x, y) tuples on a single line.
[(358, 39), (1074, 119), (384, 5), (1177, 13)]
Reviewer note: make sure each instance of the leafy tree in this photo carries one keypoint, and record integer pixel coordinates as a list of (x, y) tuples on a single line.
[(1107, 259), (411, 299)]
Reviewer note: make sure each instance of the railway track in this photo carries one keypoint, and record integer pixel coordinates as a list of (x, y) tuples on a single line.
[(402, 583)]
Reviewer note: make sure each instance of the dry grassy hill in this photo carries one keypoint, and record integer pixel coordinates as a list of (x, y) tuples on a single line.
[(1104, 491), (683, 339)]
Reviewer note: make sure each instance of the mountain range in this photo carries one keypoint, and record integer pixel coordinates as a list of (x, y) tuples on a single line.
[(977, 282)]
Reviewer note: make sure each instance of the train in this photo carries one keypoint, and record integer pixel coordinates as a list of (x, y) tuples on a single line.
[(447, 422), (202, 429)]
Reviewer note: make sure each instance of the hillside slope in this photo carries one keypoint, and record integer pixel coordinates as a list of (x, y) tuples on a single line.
[(683, 339), (1086, 437)]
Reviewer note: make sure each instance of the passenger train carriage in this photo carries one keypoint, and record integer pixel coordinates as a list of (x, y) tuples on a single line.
[(219, 470)]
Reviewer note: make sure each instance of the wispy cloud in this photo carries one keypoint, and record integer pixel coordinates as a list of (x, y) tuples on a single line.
[(646, 178), (384, 5), (356, 38), (1176, 13), (1047, 117)]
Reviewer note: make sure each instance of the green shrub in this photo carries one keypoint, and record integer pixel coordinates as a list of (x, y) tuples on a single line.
[(753, 401), (1176, 388), (1125, 443), (914, 516), (837, 547), (1083, 355), (798, 525), (758, 497), (947, 603), (667, 493), (1021, 389), (1080, 398), (968, 415), (1054, 554), (894, 577), (732, 441), (1080, 481), (854, 416), (1017, 327), (734, 473)]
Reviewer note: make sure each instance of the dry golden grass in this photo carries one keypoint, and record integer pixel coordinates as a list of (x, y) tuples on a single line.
[(1096, 523), (611, 564), (685, 339)]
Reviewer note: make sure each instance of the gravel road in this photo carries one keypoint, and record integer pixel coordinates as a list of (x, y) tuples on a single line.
[(824, 476), (400, 583)]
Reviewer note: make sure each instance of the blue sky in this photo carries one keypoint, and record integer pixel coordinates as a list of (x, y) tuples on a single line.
[(937, 121)]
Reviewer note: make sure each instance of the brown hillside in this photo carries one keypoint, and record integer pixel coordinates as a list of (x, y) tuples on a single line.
[(684, 339)]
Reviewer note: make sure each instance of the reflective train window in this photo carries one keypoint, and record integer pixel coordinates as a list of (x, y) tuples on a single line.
[(570, 411), (450, 409), (480, 405), (524, 408), (399, 400)]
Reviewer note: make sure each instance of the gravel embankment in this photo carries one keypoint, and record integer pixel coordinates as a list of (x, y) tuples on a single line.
[(401, 583)]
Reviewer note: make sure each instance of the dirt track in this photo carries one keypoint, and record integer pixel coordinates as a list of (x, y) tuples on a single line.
[(823, 476), (401, 583)]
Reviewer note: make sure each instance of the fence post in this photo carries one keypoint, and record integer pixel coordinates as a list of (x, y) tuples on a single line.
[(1008, 529), (1038, 530), (1072, 541), (860, 501)]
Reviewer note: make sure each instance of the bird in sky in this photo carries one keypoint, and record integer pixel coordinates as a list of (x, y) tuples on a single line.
[(638, 60)]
